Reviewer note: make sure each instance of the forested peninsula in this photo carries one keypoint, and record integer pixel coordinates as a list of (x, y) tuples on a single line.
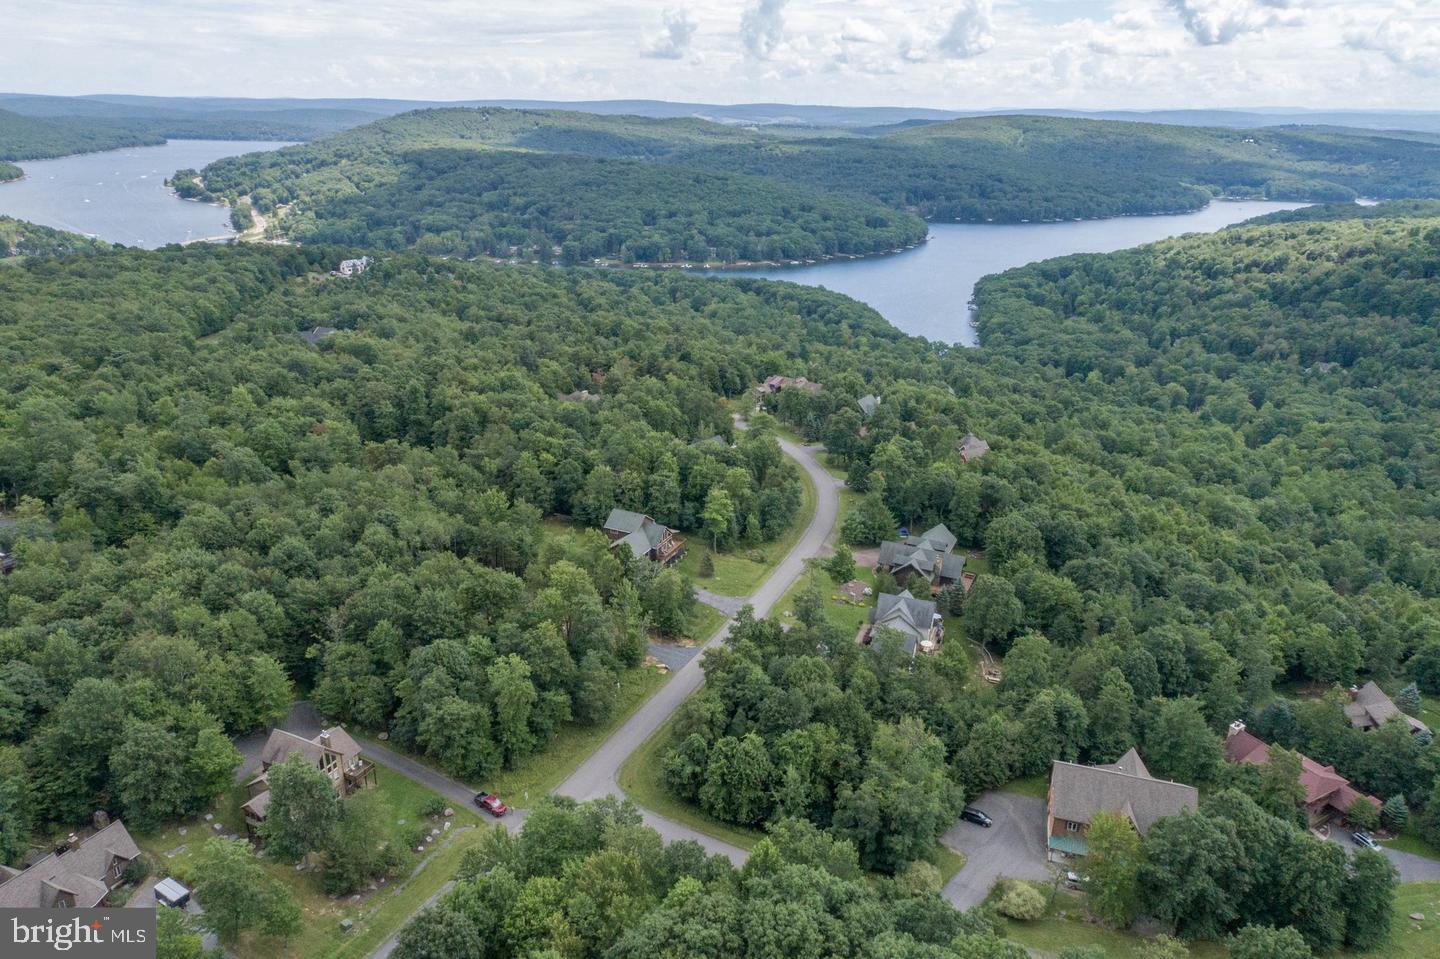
[(22, 238), (507, 183), (1210, 496)]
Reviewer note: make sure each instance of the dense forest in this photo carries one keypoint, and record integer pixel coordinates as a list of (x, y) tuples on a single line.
[(468, 203), (468, 181), (1211, 495), (9, 171), (22, 238), (207, 509), (39, 137), (593, 880)]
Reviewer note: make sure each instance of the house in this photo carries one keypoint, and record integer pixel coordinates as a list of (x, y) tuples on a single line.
[(972, 447), (354, 267), (1369, 708), (868, 404), (1125, 787), (914, 619), (317, 333), (1328, 795), (7, 563), (929, 556), (645, 537), (332, 750), (855, 591), (580, 396), (79, 874), (775, 384)]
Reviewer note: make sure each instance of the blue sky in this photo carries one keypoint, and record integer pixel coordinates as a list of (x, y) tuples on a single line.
[(961, 54)]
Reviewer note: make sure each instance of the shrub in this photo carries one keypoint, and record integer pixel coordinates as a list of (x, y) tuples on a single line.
[(707, 565), (1021, 901), (434, 806)]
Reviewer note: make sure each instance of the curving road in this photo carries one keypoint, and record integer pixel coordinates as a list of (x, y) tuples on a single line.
[(596, 776)]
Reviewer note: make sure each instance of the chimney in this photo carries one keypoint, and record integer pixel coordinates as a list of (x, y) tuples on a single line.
[(72, 842), (325, 738), (1236, 728)]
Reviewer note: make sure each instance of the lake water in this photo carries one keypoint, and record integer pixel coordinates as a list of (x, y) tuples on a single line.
[(926, 291), (120, 195)]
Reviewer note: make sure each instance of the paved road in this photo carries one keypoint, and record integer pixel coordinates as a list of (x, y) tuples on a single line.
[(596, 776), (1014, 847), (1412, 868)]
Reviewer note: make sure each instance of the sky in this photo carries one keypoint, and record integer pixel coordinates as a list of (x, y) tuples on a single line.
[(954, 54)]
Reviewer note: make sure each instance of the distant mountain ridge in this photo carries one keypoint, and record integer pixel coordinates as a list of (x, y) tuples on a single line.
[(354, 111)]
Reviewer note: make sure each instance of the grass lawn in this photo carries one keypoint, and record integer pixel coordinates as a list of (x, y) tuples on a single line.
[(640, 777), (1410, 939), (736, 574), (703, 623), (1064, 925), (844, 613), (1037, 786), (947, 860), (398, 798)]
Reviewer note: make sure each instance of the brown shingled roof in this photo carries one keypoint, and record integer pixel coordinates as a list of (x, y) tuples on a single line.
[(1126, 787)]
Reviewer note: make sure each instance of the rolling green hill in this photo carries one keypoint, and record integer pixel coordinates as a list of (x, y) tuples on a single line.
[(369, 185)]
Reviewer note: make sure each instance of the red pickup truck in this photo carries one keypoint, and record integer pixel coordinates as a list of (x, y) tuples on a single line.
[(491, 804)]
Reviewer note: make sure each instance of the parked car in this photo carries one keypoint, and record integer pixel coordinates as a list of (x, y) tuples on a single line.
[(1362, 838), (1075, 881), (491, 804), (971, 814)]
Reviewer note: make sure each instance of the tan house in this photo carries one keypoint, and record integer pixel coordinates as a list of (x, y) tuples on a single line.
[(332, 750), (1124, 787), (78, 875), (1369, 708)]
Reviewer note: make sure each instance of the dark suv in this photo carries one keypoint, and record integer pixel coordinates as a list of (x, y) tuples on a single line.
[(971, 814)]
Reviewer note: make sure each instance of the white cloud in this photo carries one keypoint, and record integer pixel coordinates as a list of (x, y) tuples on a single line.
[(674, 42), (996, 54), (971, 30), (1411, 42), (762, 28), (861, 31), (1215, 22)]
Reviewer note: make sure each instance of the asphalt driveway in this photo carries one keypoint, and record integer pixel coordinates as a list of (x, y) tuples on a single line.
[(1412, 868), (1013, 848)]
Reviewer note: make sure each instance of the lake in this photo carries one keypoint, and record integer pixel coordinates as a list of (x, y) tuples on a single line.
[(926, 291), (120, 195)]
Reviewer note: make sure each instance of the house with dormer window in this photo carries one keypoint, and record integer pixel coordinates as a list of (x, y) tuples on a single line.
[(79, 874)]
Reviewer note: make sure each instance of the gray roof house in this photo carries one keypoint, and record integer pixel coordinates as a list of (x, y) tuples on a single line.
[(645, 537), (972, 447), (868, 404), (317, 333), (1125, 787), (333, 750), (78, 875), (928, 555), (1369, 708), (914, 619)]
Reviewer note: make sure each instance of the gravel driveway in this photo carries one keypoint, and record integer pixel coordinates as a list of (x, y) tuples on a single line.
[(1013, 848)]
